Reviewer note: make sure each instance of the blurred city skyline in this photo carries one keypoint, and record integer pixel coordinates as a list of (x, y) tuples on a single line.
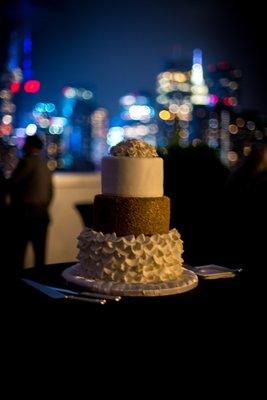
[(119, 47)]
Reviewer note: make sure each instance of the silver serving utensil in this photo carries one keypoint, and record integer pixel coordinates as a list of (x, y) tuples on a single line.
[(55, 294), (101, 296), (86, 294)]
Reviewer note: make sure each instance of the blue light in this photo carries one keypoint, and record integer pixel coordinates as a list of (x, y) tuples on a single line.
[(67, 110), (76, 140), (13, 52), (152, 112), (67, 160), (40, 107), (27, 63), (141, 100), (50, 107), (197, 56), (27, 44)]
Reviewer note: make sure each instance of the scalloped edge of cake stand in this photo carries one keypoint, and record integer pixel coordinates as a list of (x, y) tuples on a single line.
[(188, 280)]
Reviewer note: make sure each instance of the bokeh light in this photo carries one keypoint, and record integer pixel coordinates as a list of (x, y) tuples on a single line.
[(52, 165), (162, 99), (32, 86), (139, 112), (165, 115), (213, 99), (44, 123), (87, 94), (14, 87), (179, 77), (240, 122), (7, 119), (115, 135), (174, 108), (196, 142), (233, 129), (213, 123), (232, 156), (31, 129), (69, 92), (50, 107), (251, 125), (127, 100), (246, 150)]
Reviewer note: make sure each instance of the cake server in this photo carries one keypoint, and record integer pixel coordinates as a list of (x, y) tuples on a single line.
[(55, 294), (86, 294)]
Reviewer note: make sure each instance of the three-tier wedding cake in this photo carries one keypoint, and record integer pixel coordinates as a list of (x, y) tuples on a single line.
[(130, 244)]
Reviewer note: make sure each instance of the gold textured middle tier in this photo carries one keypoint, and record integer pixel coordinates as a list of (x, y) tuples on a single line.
[(131, 215)]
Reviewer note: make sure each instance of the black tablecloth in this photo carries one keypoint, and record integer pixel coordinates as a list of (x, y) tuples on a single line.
[(212, 319), (222, 307)]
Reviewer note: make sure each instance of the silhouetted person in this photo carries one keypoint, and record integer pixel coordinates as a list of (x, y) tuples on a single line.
[(3, 218), (30, 195), (246, 210)]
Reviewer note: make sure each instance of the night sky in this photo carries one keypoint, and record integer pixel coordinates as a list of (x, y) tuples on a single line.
[(120, 46)]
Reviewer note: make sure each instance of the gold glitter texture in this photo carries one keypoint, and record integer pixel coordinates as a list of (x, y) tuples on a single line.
[(131, 215)]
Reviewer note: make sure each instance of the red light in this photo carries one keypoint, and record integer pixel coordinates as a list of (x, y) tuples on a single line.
[(211, 68), (32, 86), (226, 101), (232, 101), (5, 130), (223, 64), (15, 86)]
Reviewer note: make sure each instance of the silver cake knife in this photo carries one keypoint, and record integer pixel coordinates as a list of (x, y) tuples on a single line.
[(56, 294), (87, 294)]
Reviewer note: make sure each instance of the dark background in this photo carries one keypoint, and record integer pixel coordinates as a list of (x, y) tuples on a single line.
[(119, 46)]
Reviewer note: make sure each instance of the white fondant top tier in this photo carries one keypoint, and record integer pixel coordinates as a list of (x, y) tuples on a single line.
[(132, 176)]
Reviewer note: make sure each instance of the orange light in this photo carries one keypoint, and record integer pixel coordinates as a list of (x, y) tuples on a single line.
[(233, 129), (165, 115), (240, 122), (232, 156)]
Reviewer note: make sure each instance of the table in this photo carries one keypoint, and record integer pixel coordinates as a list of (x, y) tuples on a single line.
[(211, 317), (214, 307)]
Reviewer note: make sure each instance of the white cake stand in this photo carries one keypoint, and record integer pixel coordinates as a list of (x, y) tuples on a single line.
[(188, 280)]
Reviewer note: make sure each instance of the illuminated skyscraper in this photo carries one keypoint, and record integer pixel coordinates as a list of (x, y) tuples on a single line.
[(199, 99), (50, 127), (77, 107), (18, 95), (182, 92), (99, 128), (224, 82), (199, 89), (10, 83), (24, 85), (174, 102)]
